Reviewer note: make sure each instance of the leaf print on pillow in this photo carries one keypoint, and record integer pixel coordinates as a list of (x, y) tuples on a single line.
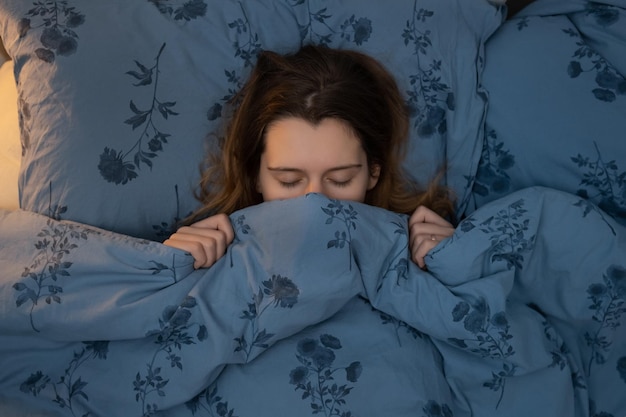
[(114, 165), (251, 46), (361, 27), (317, 30), (58, 21), (604, 14), (610, 82), (495, 160), (165, 229), (357, 30), (54, 211), (190, 9), (430, 97), (246, 50)]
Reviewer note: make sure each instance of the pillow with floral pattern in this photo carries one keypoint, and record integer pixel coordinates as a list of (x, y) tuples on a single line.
[(557, 100), (119, 100)]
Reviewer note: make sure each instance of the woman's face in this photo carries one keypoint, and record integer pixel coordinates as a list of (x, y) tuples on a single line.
[(326, 158)]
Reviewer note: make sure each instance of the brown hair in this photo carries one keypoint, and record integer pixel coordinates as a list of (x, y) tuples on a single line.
[(313, 84)]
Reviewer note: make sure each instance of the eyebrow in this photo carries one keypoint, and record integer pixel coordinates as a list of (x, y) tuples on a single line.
[(288, 169)]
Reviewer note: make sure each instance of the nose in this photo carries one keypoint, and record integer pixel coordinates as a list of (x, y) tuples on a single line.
[(314, 187)]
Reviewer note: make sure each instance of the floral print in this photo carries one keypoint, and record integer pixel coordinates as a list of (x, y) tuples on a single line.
[(305, 329), (347, 216), (495, 161), (189, 10), (279, 291), (603, 182), (610, 83), (70, 387), (327, 370), (174, 332), (608, 302), (430, 97), (114, 166), (316, 375), (50, 266), (60, 22), (492, 339)]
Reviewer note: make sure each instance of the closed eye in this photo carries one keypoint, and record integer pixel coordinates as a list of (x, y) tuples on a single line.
[(341, 184), (290, 184)]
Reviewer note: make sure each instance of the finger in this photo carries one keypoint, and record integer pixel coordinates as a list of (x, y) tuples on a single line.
[(422, 243), (418, 252), (422, 231), (219, 222), (206, 245), (205, 240), (213, 240), (195, 249), (423, 214)]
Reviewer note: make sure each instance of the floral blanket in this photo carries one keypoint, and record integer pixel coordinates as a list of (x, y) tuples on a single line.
[(316, 309)]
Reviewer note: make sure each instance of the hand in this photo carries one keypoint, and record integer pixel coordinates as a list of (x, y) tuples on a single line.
[(205, 240), (426, 230)]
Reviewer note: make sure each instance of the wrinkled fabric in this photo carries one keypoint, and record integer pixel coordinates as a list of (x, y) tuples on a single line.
[(316, 308)]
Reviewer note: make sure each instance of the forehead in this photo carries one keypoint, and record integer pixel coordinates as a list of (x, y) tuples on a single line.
[(294, 140)]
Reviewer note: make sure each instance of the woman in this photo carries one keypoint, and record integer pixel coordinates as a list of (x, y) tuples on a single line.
[(318, 121)]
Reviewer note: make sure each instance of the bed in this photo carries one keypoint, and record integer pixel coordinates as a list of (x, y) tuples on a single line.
[(316, 308)]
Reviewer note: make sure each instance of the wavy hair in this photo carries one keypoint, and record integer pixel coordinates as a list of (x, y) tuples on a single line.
[(313, 84)]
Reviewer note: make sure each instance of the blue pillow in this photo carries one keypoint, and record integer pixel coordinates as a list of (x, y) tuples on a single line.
[(120, 100), (557, 105)]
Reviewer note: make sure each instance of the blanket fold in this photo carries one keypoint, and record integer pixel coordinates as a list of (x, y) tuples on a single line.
[(529, 292)]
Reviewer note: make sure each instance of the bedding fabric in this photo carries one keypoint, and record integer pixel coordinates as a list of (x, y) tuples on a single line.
[(556, 80), (316, 309), (120, 99)]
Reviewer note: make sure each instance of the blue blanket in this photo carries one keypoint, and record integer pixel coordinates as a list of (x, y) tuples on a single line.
[(316, 309)]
